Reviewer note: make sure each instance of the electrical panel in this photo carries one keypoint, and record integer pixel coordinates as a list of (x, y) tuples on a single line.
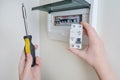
[(59, 23)]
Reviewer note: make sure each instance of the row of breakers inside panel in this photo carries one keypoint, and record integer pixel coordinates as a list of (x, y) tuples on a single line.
[(67, 20)]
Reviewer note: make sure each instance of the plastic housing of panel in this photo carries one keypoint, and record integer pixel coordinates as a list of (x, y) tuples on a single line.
[(63, 6)]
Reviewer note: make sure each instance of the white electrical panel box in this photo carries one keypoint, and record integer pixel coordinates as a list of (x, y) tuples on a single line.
[(62, 14), (59, 23)]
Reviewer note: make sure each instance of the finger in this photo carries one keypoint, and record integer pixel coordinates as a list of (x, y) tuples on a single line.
[(88, 28), (79, 53), (22, 63), (22, 59), (92, 34), (36, 46), (28, 63), (38, 64)]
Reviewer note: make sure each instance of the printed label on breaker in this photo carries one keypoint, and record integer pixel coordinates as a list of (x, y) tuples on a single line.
[(76, 33)]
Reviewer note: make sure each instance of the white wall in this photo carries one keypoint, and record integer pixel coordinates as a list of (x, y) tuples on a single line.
[(11, 35), (109, 29)]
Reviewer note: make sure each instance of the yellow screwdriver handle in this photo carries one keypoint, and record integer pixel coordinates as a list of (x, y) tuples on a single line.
[(29, 48)]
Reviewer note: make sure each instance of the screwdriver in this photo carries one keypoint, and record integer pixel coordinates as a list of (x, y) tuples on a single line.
[(29, 47)]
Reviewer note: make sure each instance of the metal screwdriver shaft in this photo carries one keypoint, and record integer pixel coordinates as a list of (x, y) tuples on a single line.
[(25, 18)]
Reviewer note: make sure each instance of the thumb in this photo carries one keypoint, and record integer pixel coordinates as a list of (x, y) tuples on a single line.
[(28, 63), (79, 53)]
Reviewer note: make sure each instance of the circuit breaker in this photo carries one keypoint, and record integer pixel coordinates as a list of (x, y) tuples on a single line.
[(64, 13)]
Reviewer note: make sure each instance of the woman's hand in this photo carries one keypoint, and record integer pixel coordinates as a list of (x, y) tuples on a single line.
[(94, 54), (26, 72)]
